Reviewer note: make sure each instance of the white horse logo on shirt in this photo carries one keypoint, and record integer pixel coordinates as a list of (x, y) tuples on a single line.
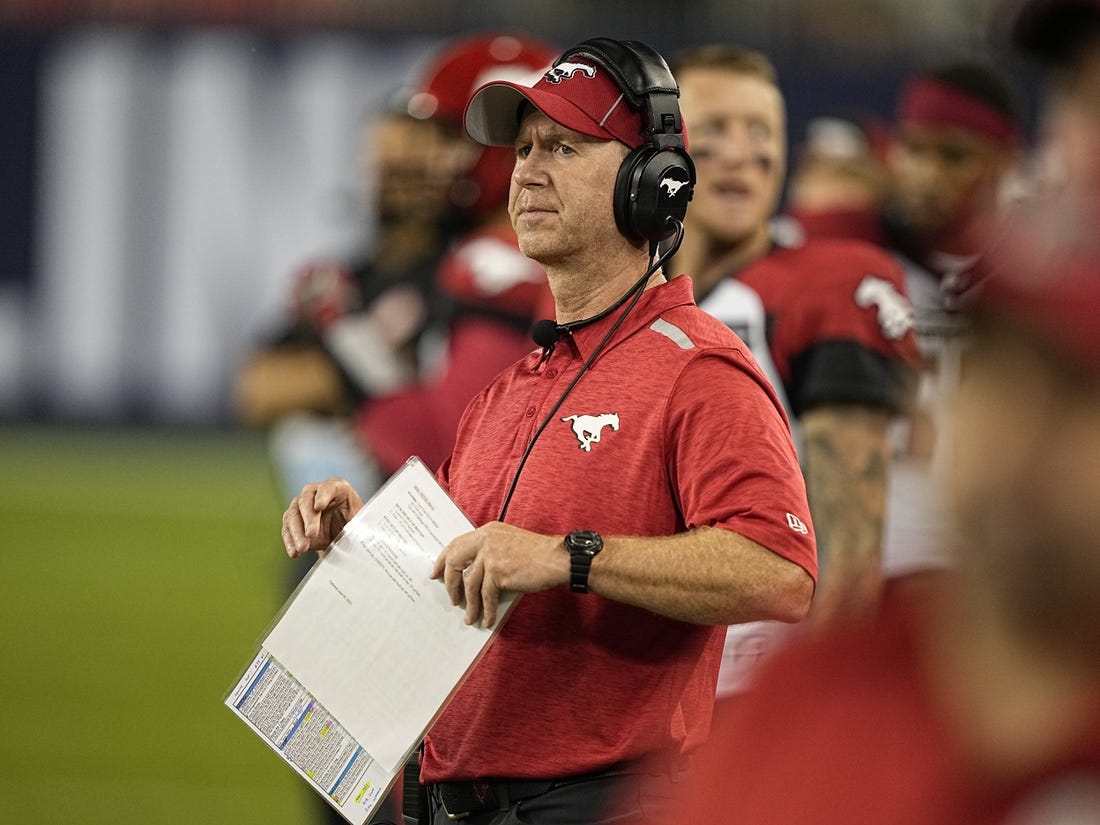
[(587, 428)]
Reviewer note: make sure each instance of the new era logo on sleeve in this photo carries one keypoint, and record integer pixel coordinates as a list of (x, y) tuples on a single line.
[(797, 524)]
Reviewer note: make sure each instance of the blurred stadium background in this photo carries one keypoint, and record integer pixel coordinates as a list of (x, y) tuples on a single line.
[(164, 166)]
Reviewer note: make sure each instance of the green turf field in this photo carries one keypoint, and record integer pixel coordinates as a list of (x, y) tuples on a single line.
[(137, 572)]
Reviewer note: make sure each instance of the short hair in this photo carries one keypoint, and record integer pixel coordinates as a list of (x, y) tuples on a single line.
[(729, 58), (980, 80)]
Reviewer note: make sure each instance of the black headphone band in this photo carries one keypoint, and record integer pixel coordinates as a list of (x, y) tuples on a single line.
[(646, 80)]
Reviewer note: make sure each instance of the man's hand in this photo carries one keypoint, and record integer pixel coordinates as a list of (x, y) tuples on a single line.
[(477, 566), (322, 293), (317, 515)]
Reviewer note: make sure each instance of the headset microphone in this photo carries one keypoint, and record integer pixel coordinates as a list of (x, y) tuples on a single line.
[(545, 333)]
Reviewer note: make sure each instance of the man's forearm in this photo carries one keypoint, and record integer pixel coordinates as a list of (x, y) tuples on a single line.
[(846, 456), (707, 576)]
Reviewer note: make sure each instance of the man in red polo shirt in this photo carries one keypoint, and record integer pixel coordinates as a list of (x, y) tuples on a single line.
[(635, 478)]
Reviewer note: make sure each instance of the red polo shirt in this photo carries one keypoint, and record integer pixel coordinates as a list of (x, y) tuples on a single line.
[(673, 427)]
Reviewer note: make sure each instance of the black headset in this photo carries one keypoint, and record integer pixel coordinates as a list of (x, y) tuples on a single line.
[(657, 180)]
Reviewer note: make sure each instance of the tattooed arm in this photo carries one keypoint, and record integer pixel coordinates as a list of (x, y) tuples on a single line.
[(845, 460)]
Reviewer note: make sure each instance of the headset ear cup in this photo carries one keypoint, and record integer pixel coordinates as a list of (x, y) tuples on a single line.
[(626, 191), (653, 185)]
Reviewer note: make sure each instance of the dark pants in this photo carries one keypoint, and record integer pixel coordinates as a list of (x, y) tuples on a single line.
[(623, 797)]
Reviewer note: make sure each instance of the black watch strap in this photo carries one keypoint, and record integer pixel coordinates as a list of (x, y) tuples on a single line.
[(583, 546)]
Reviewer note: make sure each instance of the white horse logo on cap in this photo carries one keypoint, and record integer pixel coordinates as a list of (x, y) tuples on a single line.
[(587, 428), (567, 69)]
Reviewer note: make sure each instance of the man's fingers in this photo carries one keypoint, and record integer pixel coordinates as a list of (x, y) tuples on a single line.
[(437, 568), (490, 601), (317, 514), (294, 539), (311, 518), (452, 580), (302, 520), (471, 578)]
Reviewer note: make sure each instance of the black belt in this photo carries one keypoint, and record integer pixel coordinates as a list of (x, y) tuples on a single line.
[(460, 799)]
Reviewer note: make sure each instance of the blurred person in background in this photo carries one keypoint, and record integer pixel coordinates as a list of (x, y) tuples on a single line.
[(827, 319), (957, 140), (979, 700), (489, 292), (351, 328), (956, 148), (838, 181), (381, 354)]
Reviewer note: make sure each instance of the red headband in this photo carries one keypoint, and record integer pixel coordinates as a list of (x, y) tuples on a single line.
[(931, 103)]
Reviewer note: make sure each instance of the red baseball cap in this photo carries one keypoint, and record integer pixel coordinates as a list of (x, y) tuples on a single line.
[(577, 93)]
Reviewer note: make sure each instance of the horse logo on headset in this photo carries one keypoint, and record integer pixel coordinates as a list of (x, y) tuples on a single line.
[(567, 69), (672, 185), (587, 428)]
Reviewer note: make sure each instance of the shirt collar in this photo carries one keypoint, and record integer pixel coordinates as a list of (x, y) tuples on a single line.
[(654, 301)]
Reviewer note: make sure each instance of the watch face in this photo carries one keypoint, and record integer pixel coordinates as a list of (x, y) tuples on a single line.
[(585, 541)]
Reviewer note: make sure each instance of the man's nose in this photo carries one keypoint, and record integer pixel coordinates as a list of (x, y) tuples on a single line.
[(735, 147), (529, 170)]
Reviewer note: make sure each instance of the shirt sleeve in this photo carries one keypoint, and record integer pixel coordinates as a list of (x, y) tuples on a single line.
[(850, 339), (731, 458)]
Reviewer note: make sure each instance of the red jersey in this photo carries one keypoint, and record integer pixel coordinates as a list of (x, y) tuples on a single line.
[(674, 427), (495, 292), (834, 319)]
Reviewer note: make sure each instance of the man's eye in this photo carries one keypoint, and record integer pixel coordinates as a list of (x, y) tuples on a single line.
[(955, 155), (704, 148), (523, 151), (759, 133), (565, 149)]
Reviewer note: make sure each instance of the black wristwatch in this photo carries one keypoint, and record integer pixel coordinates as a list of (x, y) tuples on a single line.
[(583, 545)]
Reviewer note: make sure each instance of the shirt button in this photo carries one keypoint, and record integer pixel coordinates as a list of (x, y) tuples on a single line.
[(551, 373), (530, 412)]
